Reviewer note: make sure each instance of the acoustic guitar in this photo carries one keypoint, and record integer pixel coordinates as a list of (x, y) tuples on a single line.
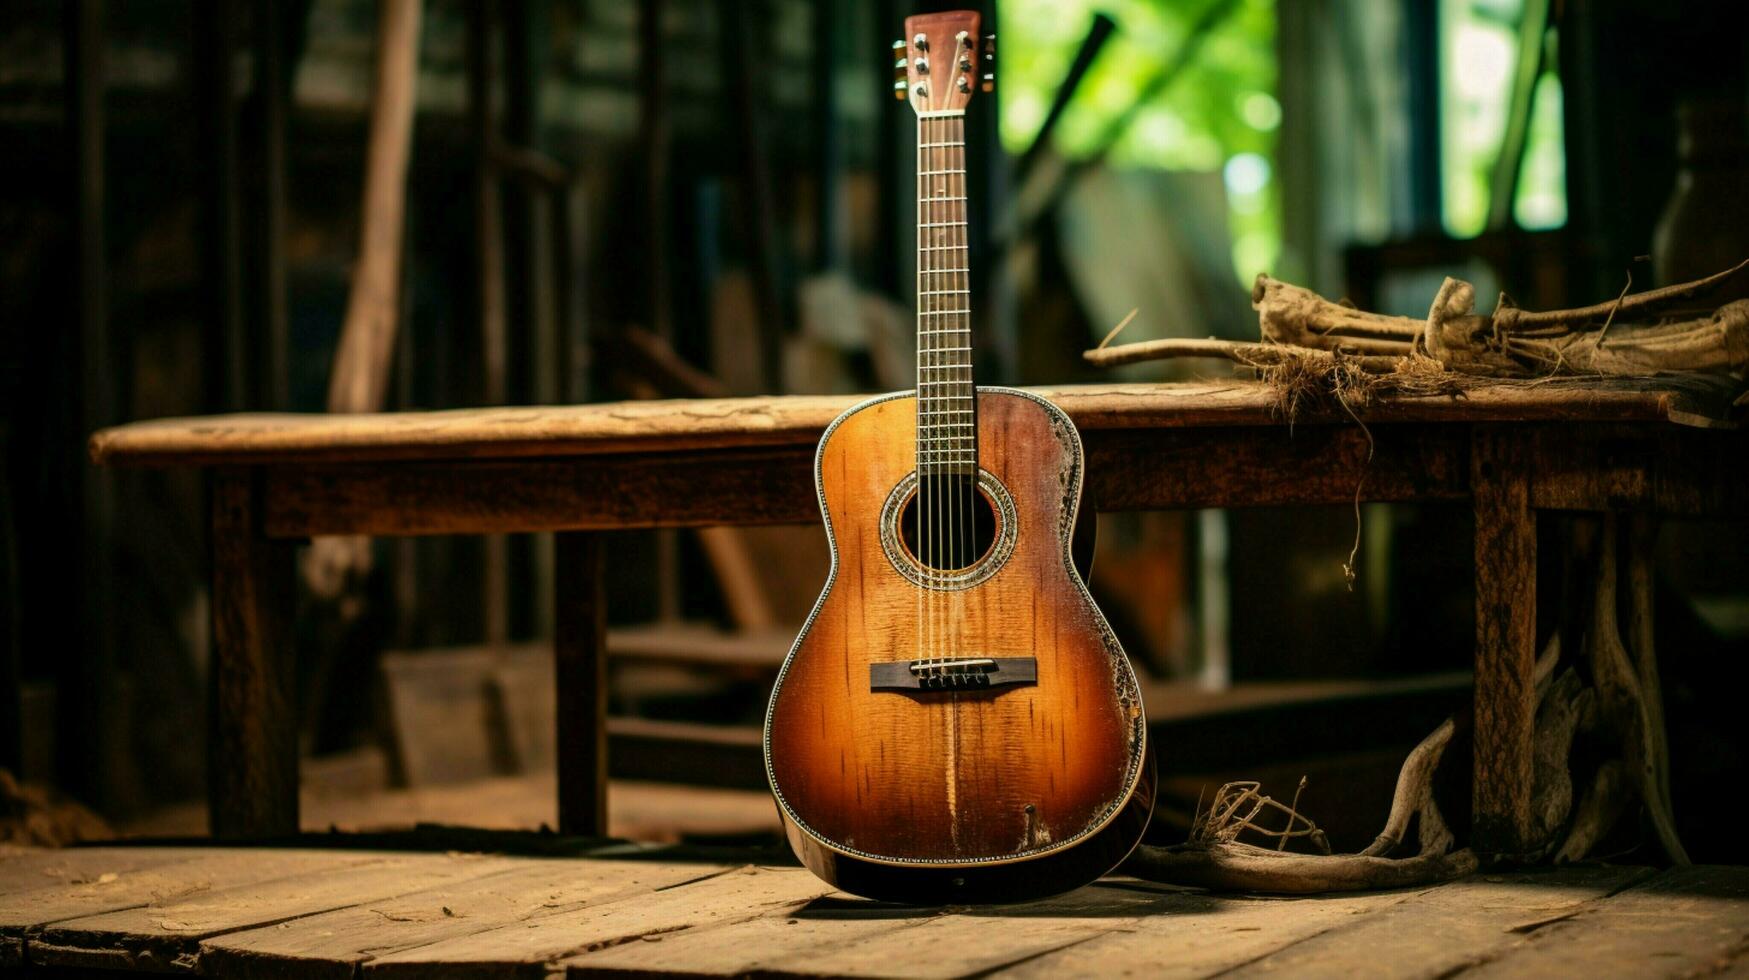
[(956, 721)]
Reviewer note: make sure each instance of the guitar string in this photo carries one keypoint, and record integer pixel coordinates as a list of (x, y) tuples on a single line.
[(922, 420), (956, 546)]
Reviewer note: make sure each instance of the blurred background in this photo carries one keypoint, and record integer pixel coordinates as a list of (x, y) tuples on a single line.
[(610, 199)]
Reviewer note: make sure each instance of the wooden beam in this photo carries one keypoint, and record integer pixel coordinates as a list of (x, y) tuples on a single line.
[(362, 360), (580, 678), (674, 490), (1155, 469), (1505, 639), (712, 423), (1142, 470), (252, 767)]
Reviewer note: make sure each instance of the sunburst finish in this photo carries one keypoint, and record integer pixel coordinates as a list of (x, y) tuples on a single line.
[(913, 794)]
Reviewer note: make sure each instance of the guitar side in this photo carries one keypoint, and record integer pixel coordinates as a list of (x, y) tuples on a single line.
[(993, 794)]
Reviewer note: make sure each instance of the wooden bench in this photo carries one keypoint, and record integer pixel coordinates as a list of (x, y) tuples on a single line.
[(276, 479)]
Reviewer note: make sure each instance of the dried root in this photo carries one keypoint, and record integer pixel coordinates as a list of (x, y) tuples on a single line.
[(1309, 343), (1215, 857)]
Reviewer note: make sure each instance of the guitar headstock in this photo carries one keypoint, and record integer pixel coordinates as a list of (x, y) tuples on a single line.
[(942, 60)]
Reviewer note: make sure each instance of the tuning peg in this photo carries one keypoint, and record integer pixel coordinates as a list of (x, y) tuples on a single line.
[(920, 42), (989, 83), (900, 83)]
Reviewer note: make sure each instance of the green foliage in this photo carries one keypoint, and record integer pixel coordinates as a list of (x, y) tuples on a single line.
[(1220, 114)]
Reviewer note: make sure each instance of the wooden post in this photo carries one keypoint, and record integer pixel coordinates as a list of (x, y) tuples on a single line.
[(252, 756), (267, 285), (1505, 639), (88, 732), (580, 664), (11, 673)]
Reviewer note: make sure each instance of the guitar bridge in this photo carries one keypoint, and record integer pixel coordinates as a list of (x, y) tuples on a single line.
[(952, 673)]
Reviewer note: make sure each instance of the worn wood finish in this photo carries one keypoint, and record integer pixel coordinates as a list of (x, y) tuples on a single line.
[(1442, 931), (1172, 468), (252, 748), (166, 932), (114, 879), (716, 423), (250, 912), (503, 895), (1505, 542), (580, 680), (1687, 922), (956, 779), (718, 898), (766, 486)]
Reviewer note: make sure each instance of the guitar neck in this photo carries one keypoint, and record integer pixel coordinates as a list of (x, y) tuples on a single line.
[(947, 432)]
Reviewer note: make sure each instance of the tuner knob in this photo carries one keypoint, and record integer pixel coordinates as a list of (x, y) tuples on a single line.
[(965, 64), (922, 66), (989, 84), (920, 42), (966, 85), (899, 90), (964, 39)]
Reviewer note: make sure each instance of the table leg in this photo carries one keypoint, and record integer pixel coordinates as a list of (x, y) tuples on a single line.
[(580, 662), (252, 755), (1505, 640)]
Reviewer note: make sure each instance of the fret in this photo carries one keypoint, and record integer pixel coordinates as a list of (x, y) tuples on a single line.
[(947, 419)]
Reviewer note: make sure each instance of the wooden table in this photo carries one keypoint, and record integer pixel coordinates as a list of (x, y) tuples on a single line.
[(579, 471), (286, 912)]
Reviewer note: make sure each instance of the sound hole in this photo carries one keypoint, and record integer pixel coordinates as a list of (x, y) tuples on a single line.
[(949, 523)]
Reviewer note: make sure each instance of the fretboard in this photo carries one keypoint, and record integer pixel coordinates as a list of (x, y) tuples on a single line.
[(947, 421)]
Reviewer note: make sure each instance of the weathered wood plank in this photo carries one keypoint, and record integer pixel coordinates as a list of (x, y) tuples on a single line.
[(1505, 548), (166, 933), (1253, 466), (763, 946), (525, 949), (1200, 935), (963, 944), (24, 912), (1164, 468), (1108, 929), (1442, 930), (1690, 921), (335, 943), (1677, 471), (252, 749), (679, 489), (663, 426), (33, 869)]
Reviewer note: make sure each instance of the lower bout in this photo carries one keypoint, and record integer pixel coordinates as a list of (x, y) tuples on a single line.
[(1021, 880)]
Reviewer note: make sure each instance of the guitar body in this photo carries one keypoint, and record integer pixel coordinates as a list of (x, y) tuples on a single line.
[(1037, 783)]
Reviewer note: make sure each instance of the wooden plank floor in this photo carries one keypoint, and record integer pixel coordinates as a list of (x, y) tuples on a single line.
[(625, 912)]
